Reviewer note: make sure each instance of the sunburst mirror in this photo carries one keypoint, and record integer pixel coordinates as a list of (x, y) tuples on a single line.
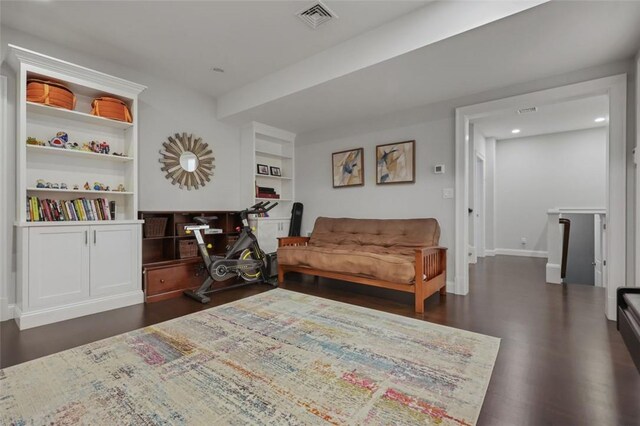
[(187, 161)]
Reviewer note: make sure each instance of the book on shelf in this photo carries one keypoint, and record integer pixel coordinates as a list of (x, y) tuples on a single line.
[(81, 209), (268, 195)]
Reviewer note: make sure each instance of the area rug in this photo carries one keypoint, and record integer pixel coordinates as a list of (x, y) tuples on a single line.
[(279, 358)]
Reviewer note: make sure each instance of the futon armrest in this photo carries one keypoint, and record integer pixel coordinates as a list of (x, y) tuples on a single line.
[(431, 262), (293, 241)]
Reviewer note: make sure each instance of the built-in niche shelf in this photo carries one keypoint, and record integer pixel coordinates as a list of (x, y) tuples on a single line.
[(48, 150), (81, 117), (79, 191)]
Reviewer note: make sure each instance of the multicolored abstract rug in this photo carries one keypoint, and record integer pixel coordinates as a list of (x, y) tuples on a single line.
[(279, 358)]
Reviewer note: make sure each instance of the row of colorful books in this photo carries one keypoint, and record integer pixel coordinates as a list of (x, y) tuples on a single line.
[(45, 210)]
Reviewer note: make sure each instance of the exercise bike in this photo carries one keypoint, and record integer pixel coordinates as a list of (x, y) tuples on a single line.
[(244, 259)]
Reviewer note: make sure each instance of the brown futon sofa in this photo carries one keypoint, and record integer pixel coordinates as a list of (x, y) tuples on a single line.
[(400, 254)]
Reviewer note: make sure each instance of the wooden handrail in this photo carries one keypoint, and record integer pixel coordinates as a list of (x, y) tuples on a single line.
[(566, 230)]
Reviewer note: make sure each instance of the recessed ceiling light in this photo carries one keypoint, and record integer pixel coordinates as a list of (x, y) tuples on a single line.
[(599, 119), (515, 131), (217, 69)]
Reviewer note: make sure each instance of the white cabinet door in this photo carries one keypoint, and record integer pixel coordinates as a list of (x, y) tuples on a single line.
[(283, 228), (268, 235), (114, 259), (58, 265)]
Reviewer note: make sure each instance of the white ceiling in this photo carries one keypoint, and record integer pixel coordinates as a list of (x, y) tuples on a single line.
[(183, 40), (561, 117), (550, 39)]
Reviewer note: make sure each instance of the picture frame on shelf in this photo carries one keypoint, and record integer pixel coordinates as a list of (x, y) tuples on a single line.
[(396, 163), (262, 169), (348, 168), (275, 171)]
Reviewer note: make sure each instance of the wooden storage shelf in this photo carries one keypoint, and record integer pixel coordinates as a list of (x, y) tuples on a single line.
[(165, 275)]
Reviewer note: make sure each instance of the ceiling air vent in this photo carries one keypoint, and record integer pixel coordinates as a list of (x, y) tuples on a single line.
[(527, 110), (316, 15)]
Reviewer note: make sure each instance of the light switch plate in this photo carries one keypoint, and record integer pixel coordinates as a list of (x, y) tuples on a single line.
[(447, 193)]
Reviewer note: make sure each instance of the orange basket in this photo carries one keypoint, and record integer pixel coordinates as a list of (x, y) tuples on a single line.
[(112, 108), (50, 93)]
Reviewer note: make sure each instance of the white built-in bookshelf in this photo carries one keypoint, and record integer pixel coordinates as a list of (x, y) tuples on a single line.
[(271, 147), (68, 268)]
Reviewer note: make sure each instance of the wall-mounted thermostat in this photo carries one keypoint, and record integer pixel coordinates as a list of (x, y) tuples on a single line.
[(438, 169)]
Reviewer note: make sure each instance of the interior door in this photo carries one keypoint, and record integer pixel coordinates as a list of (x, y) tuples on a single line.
[(478, 213), (114, 259), (597, 254), (58, 265)]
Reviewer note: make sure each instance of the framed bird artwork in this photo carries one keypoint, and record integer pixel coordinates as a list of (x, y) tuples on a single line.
[(348, 168)]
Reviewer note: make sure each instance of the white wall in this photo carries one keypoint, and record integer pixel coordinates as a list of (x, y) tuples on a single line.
[(422, 199), (489, 191), (164, 108), (433, 127), (535, 174)]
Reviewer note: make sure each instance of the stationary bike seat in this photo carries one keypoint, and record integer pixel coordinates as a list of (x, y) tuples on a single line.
[(203, 220)]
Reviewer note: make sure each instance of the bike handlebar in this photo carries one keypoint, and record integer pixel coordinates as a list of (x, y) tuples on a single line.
[(261, 207)]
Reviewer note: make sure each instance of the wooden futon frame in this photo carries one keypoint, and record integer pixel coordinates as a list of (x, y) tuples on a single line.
[(431, 265)]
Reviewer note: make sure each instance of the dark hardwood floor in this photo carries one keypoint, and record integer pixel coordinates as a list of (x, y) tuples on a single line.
[(560, 361)]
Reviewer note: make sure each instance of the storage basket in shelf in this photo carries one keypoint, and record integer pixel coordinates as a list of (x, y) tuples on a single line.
[(188, 248), (50, 93), (155, 226), (112, 108), (181, 232)]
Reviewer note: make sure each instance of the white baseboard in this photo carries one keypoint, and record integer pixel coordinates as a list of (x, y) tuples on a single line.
[(553, 273), (7, 311), (489, 252), (40, 317), (524, 253)]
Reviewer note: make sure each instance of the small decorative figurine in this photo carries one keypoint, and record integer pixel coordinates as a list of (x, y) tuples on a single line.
[(34, 141), (87, 186), (104, 148), (120, 188), (107, 188), (47, 185), (118, 154), (40, 183), (55, 186), (59, 140), (63, 186), (86, 147), (76, 187), (98, 186), (71, 145)]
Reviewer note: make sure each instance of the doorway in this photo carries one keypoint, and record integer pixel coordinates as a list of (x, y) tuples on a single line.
[(614, 88)]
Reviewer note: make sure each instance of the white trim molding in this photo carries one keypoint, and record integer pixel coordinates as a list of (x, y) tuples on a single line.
[(518, 252), (615, 87), (40, 317)]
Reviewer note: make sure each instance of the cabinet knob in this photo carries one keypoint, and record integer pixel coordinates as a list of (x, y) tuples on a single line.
[(162, 281)]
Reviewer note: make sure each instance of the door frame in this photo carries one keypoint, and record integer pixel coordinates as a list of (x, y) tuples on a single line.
[(615, 87), (479, 207)]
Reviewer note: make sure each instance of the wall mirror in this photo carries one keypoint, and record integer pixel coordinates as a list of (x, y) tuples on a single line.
[(187, 161)]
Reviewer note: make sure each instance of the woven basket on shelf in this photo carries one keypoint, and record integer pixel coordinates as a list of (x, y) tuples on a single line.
[(188, 248), (112, 108), (50, 93), (155, 226)]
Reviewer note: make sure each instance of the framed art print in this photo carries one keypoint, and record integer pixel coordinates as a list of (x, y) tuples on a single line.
[(262, 169), (275, 171), (348, 168), (396, 163)]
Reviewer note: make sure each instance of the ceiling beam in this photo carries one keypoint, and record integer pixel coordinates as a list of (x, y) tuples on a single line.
[(434, 22)]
